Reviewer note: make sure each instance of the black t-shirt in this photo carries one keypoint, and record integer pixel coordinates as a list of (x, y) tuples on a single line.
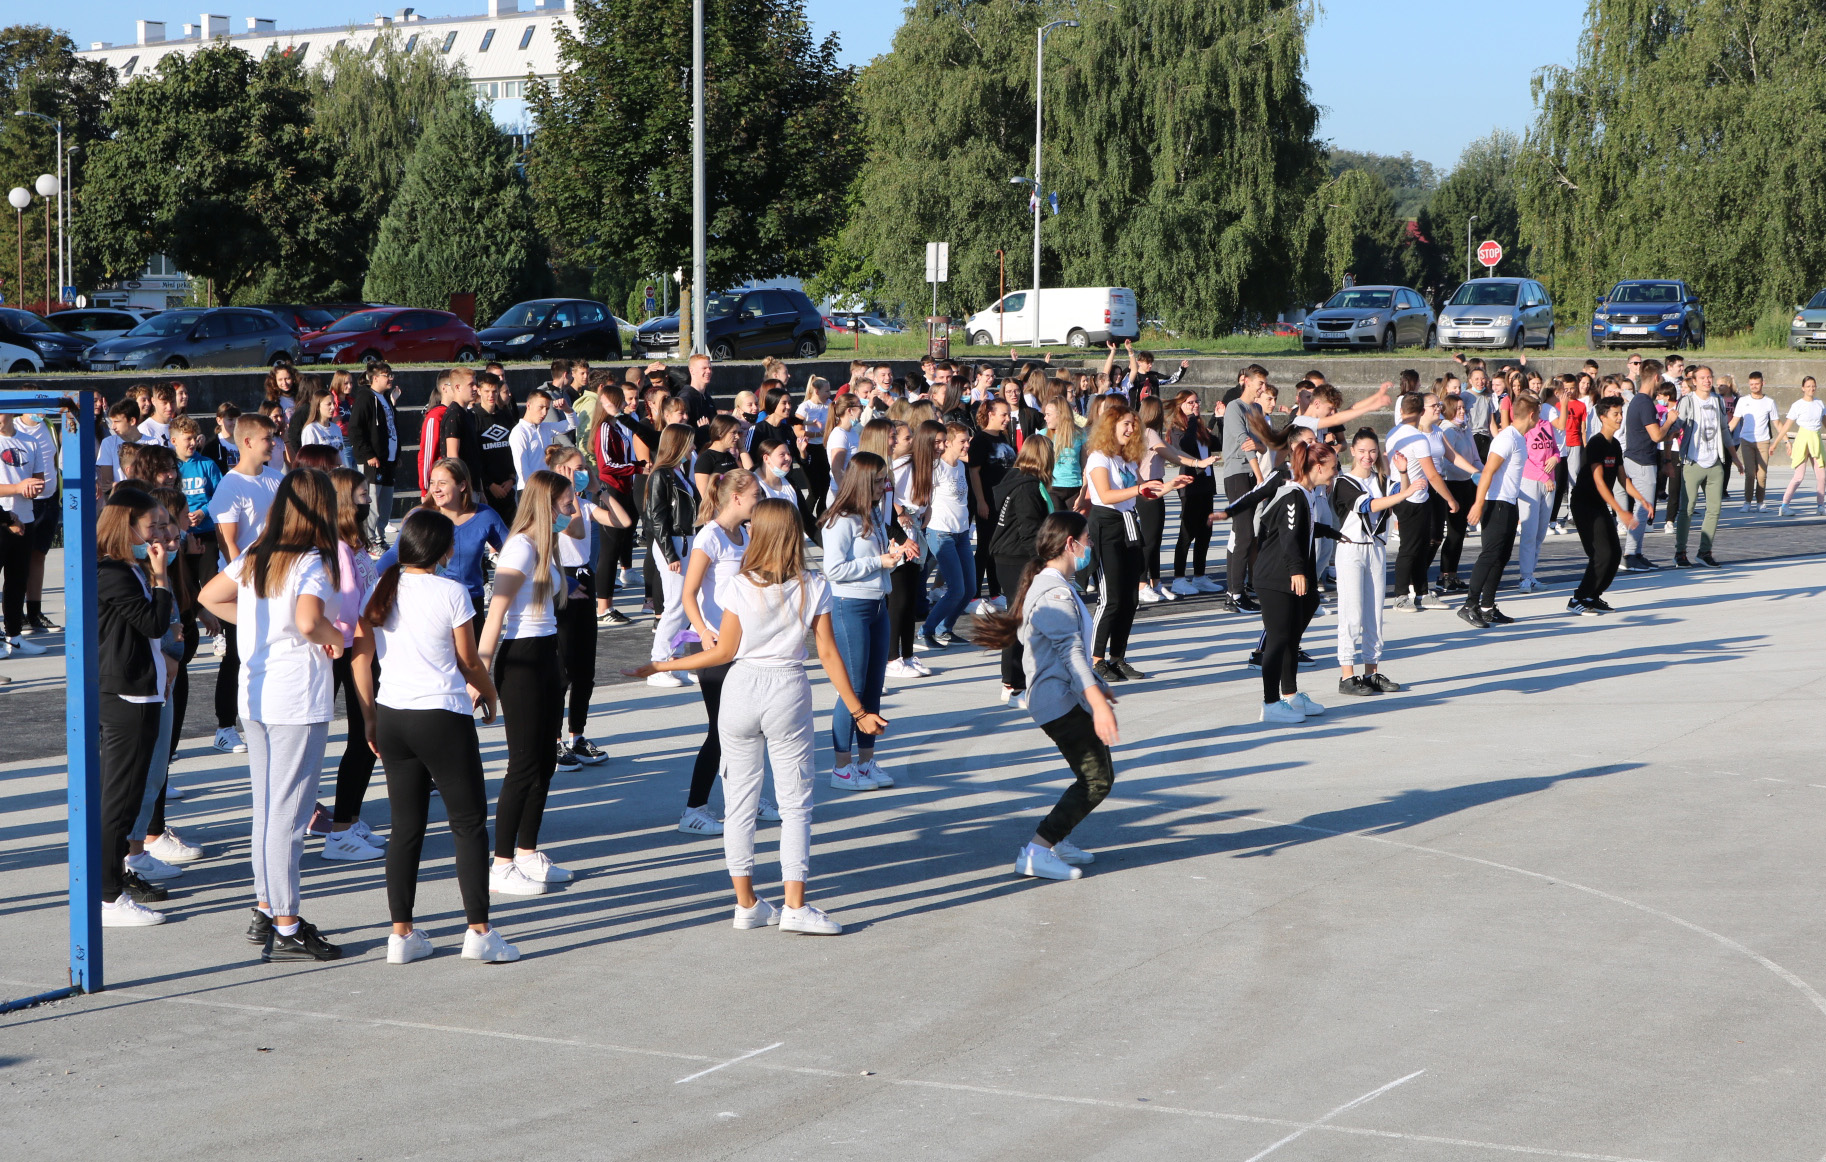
[(711, 462), (783, 433), (460, 425), (992, 456), (1637, 415), (1603, 455), (492, 432)]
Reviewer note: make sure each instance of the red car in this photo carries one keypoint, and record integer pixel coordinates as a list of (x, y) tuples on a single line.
[(393, 335)]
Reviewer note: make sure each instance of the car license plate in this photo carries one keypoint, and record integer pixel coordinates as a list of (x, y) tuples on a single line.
[(1635, 330), (1474, 334), (95, 366), (1819, 334)]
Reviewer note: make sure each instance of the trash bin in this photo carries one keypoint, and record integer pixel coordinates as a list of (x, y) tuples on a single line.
[(938, 336)]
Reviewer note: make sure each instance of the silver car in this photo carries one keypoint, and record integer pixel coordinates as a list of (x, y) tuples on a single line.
[(1510, 313), (199, 337), (1383, 317), (1808, 328)]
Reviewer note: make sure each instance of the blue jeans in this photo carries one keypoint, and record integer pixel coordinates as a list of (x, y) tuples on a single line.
[(957, 567), (861, 629)]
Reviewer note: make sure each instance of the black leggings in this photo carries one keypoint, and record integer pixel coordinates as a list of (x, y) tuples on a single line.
[(614, 548), (577, 646), (529, 676), (1500, 520), (903, 609), (1195, 505), (1075, 734), (1009, 569), (228, 679), (1152, 516), (420, 748), (129, 737), (987, 582), (1285, 616), (818, 476), (710, 755), (1414, 519), (1119, 597), (1238, 560), (1452, 549), (356, 770), (1598, 533)]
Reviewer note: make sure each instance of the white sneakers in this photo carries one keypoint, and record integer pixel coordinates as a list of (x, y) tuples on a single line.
[(1282, 713), (172, 849), (1305, 705), (22, 648), (665, 678), (848, 778), (126, 912), (1206, 585), (872, 771), (1184, 588), (414, 945), (908, 667), (1529, 585), (808, 921), (1071, 853), (1149, 595), (699, 821), (350, 847), (759, 916), (149, 867), (509, 880), (538, 867), (1044, 863), (1163, 593), (488, 947), (229, 742)]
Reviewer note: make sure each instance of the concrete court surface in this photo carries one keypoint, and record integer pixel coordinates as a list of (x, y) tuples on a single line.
[(1560, 899)]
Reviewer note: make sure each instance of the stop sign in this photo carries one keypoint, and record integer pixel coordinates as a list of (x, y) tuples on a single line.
[(1489, 253)]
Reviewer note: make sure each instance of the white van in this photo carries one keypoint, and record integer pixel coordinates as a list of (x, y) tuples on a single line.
[(1079, 316)]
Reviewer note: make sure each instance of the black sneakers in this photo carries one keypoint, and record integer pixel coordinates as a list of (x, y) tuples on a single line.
[(1383, 683), (1356, 687), (261, 929), (1708, 560), (142, 891), (1579, 607), (614, 617), (1122, 666), (1495, 616), (1468, 614), (1307, 659), (305, 944), (586, 751), (566, 760), (1108, 672), (1682, 561)]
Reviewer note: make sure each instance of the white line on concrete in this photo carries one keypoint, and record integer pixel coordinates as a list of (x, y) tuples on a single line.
[(1805, 989), (728, 1063), (1372, 1095)]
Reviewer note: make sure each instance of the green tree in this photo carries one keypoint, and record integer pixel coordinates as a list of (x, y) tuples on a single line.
[(1410, 181), (1483, 183), (371, 109), (611, 164), (1681, 145), (1359, 230), (1179, 139), (461, 221), (212, 162)]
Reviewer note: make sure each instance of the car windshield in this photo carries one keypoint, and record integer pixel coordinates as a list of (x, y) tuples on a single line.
[(25, 321), (167, 324), (1359, 299), (360, 321), (1641, 292), (1485, 294), (720, 306), (525, 315), (1817, 302)]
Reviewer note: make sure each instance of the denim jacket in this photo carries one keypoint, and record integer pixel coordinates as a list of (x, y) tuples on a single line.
[(852, 561)]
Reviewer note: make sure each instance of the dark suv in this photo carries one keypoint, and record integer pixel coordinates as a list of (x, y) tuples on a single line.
[(745, 325), (57, 349), (553, 328), (1645, 312)]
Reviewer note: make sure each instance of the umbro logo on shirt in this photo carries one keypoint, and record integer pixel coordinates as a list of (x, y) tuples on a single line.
[(495, 436)]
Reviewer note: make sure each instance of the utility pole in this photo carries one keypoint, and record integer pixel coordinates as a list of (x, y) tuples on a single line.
[(1039, 68), (20, 198), (699, 261)]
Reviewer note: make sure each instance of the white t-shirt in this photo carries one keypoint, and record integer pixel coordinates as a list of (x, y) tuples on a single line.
[(815, 413), (47, 446), (1807, 413), (285, 679), (780, 491), (725, 562), (1510, 445), (327, 434), (775, 618), (1755, 418), (107, 455), (418, 669), (20, 457), (1550, 413), (576, 552), (528, 442), (1122, 475), (153, 432), (525, 616), (244, 500), (841, 440), (1413, 443), (950, 497)]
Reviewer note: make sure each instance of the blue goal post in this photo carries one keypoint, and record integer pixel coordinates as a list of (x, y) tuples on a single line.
[(75, 411)]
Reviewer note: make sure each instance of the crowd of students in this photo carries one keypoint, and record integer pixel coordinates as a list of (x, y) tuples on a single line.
[(1033, 499)]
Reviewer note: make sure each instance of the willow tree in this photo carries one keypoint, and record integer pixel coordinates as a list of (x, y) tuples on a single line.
[(1682, 144), (1179, 140)]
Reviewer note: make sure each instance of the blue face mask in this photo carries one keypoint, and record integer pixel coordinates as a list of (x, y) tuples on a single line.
[(580, 480), (141, 552), (1082, 561), (560, 523)]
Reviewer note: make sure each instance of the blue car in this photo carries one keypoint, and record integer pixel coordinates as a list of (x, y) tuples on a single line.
[(1649, 312)]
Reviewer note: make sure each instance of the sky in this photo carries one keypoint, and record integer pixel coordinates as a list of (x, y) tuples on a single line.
[(1388, 76)]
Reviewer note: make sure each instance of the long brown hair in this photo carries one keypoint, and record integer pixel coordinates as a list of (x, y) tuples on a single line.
[(114, 526), (539, 503), (878, 437), (459, 476), (992, 631), (182, 574), (865, 481), (1177, 419), (776, 544), (926, 438), (301, 521), (1036, 458), (348, 525), (1103, 432), (674, 442)]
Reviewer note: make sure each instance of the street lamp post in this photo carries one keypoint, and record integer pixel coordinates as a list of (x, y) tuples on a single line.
[(62, 221), (1039, 66), (20, 198), (1468, 222), (699, 262), (47, 189)]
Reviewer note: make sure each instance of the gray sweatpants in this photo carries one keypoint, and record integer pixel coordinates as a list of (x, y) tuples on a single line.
[(1643, 476), (767, 714), (283, 763), (380, 504)]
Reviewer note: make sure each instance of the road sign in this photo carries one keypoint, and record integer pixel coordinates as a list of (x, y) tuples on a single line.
[(1489, 253), (69, 294), (938, 262)]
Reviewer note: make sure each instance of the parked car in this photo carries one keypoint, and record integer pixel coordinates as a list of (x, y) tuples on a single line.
[(93, 324), (1808, 328), (553, 329), (1384, 317), (304, 320), (850, 321), (1076, 316), (1498, 312), (1642, 312), (745, 325), (57, 350), (19, 360), (393, 335), (199, 337)]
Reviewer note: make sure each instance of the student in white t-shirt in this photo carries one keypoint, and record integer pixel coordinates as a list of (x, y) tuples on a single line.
[(529, 438), (123, 428), (1497, 513), (577, 625), (325, 427), (767, 714), (156, 428), (1112, 484), (238, 507), (421, 629), (841, 441), (520, 645), (1805, 417), (283, 597), (1755, 420)]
